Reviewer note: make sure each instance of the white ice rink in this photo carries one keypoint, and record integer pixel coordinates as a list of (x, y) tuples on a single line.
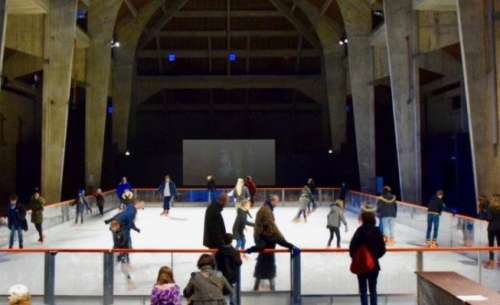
[(322, 273)]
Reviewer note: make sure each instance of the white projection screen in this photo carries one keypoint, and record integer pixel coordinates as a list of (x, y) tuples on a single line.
[(228, 160)]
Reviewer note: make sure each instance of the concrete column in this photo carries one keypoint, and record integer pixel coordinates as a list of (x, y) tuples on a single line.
[(401, 44), (3, 26), (124, 72), (101, 22), (361, 74), (478, 96), (59, 47), (335, 75)]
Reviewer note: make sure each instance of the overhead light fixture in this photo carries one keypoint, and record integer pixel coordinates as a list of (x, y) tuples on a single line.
[(115, 43), (379, 13), (80, 15), (231, 56), (343, 39), (127, 153), (330, 151), (341, 42), (171, 57)]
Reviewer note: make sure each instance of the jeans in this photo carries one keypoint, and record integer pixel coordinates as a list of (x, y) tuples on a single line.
[(166, 203), (492, 235), (240, 243), (13, 230), (211, 196), (272, 284), (335, 230), (232, 297), (389, 223), (312, 203), (432, 220), (381, 226), (79, 213), (371, 280), (39, 229), (303, 212)]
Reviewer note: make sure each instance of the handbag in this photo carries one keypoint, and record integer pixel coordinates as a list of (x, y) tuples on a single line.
[(362, 261)]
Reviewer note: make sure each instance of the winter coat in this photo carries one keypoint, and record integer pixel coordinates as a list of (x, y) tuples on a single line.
[(303, 201), (211, 185), (214, 227), (265, 216), (266, 262), (335, 217), (240, 222), (36, 207), (81, 203), (127, 218), (120, 189), (436, 206), (251, 187), (312, 188), (120, 239), (228, 262), (494, 219), (16, 217), (372, 238), (386, 206), (245, 194), (208, 290), (166, 294), (99, 199), (171, 186)]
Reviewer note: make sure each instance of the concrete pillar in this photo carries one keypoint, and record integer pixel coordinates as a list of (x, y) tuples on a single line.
[(3, 26), (473, 38), (128, 35), (402, 43), (335, 75), (101, 23), (59, 47)]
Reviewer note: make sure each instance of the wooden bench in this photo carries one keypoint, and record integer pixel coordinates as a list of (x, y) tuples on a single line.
[(446, 288)]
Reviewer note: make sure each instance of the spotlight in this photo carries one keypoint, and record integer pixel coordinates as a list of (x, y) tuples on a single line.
[(379, 13), (115, 44), (330, 151), (110, 110), (80, 15), (171, 57), (346, 41), (341, 42), (232, 56), (127, 153)]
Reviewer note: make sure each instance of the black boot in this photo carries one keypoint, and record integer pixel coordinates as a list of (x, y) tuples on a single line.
[(21, 246)]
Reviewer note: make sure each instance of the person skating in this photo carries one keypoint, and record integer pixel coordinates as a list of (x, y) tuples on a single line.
[(214, 227), (240, 223), (36, 206), (265, 269), (229, 262), (240, 192), (434, 209), (127, 220), (252, 189), (305, 198), (120, 241), (493, 228), (120, 190), (99, 199), (16, 221), (343, 191), (168, 190), (211, 188), (387, 209), (265, 215), (127, 200), (334, 219), (314, 194), (80, 204)]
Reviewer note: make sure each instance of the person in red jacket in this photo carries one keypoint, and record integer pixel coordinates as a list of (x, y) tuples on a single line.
[(252, 189)]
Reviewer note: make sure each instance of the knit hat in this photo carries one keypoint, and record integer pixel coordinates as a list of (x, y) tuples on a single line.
[(19, 293), (99, 191)]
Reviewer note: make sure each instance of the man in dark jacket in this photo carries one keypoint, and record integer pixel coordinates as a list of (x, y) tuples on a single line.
[(434, 209), (214, 228), (229, 262), (16, 221)]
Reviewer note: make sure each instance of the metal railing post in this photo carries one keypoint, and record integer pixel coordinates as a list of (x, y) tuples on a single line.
[(420, 261), (238, 287), (108, 278), (283, 197), (320, 199), (50, 279), (296, 294)]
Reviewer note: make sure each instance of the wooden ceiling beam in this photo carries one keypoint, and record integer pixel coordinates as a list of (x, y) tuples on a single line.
[(223, 14), (292, 33), (296, 23), (223, 53), (131, 7), (156, 28)]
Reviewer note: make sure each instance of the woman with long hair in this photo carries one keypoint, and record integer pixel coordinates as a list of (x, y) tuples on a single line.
[(165, 291), (240, 192)]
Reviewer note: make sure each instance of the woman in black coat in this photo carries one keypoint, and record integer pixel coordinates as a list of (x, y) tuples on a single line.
[(371, 237), (266, 262), (314, 193), (240, 223)]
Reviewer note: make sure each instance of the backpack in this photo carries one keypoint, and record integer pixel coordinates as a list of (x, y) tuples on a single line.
[(362, 261)]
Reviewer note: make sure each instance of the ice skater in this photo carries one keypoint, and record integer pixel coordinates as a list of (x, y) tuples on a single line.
[(121, 188), (314, 195), (16, 219), (99, 199), (240, 224), (334, 219), (211, 188), (36, 206), (120, 241), (305, 198), (240, 192), (81, 204), (168, 189)]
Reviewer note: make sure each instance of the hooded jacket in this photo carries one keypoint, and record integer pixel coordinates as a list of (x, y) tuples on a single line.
[(228, 262), (436, 206), (372, 238), (127, 218), (335, 217), (386, 206), (120, 239)]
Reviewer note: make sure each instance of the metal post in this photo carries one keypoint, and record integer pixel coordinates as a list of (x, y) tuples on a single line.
[(108, 279), (238, 287), (320, 199), (420, 261), (50, 279), (283, 197), (480, 267), (296, 294)]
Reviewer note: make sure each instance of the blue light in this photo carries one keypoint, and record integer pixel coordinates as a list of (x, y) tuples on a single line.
[(171, 57), (80, 15), (110, 109), (232, 57)]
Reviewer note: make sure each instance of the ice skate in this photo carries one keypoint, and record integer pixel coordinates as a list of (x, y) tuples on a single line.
[(131, 285), (11, 247), (21, 246), (328, 246), (427, 243), (434, 244), (490, 264)]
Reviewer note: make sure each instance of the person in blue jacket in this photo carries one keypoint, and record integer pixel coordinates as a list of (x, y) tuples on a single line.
[(122, 186), (127, 220), (168, 189)]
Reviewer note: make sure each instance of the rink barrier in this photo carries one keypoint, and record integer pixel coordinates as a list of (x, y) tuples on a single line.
[(295, 265)]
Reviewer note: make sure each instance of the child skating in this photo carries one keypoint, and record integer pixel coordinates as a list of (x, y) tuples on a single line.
[(304, 199), (81, 204), (120, 241), (334, 219)]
